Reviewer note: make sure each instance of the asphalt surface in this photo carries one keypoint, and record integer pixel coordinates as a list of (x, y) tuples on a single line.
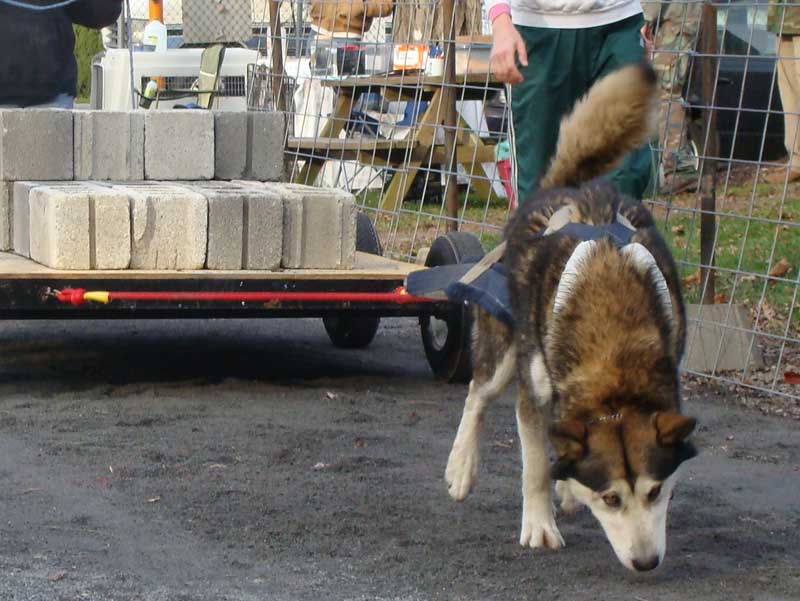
[(239, 460)]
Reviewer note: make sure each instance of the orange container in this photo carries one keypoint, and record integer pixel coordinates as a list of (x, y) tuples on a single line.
[(407, 57)]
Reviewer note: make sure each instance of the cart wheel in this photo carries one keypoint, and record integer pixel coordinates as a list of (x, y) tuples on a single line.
[(352, 330), (447, 341)]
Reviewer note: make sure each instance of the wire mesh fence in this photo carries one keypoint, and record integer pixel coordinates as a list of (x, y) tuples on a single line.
[(395, 102)]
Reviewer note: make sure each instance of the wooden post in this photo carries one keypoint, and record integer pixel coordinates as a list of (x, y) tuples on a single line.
[(450, 118), (708, 165), (276, 77)]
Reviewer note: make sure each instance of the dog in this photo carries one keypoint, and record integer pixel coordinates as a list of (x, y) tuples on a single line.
[(598, 336)]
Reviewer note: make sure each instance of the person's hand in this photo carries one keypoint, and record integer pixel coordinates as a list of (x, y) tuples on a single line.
[(507, 45), (649, 40)]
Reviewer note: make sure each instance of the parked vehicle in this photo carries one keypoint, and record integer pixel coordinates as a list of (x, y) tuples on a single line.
[(749, 112)]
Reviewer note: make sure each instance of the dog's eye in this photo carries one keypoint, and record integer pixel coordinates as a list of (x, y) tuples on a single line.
[(653, 494), (612, 500)]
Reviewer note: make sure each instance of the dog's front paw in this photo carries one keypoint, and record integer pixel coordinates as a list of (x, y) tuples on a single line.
[(569, 504), (462, 470), (539, 527)]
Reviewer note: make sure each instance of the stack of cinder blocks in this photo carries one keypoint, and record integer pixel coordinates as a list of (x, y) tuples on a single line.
[(152, 190)]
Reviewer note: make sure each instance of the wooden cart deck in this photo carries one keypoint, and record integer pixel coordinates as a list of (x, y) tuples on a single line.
[(368, 267), (29, 290)]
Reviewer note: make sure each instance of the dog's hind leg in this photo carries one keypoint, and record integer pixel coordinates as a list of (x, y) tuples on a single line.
[(494, 362), (538, 521)]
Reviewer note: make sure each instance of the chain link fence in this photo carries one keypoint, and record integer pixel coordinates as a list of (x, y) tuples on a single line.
[(395, 102)]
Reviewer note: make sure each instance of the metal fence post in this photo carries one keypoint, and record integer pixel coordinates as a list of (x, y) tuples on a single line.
[(278, 97), (450, 117), (708, 166)]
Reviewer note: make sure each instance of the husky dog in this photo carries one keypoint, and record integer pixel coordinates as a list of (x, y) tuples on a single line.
[(598, 337)]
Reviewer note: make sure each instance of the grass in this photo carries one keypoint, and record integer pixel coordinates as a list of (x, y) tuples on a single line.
[(757, 248)]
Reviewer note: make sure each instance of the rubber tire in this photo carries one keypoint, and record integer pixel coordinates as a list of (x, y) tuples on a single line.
[(449, 358), (351, 331)]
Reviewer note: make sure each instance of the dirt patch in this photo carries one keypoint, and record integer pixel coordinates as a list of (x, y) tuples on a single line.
[(229, 472)]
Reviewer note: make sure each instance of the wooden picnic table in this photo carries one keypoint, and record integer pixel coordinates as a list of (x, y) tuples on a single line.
[(410, 153)]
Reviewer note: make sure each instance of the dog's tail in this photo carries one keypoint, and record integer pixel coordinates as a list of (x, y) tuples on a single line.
[(617, 115)]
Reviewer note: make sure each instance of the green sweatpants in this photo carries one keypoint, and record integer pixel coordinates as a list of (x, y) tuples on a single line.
[(562, 65)]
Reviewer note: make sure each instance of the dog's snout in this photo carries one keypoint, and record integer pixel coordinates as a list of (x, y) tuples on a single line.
[(645, 565)]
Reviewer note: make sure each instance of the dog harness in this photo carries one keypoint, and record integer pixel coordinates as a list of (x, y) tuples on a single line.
[(484, 282)]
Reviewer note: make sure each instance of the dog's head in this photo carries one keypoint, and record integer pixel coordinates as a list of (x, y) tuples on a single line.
[(624, 467)]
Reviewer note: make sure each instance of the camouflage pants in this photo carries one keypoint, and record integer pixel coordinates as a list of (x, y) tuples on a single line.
[(789, 87), (677, 26)]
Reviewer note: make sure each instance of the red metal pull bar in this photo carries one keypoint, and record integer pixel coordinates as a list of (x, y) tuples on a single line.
[(399, 296)]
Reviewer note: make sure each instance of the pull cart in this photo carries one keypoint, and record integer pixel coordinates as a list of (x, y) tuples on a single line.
[(350, 302)]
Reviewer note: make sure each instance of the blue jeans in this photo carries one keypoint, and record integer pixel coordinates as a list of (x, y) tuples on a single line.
[(62, 101)]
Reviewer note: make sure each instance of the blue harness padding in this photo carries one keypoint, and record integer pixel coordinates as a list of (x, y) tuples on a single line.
[(490, 289), (620, 234)]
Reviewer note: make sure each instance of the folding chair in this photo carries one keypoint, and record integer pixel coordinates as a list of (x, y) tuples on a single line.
[(206, 86)]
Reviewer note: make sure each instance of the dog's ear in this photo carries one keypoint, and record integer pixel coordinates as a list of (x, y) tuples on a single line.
[(672, 428)]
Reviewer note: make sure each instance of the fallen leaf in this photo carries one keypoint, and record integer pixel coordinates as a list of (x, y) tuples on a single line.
[(678, 230), (60, 575), (720, 298), (504, 444), (780, 269), (692, 280), (791, 377), (766, 311), (153, 500)]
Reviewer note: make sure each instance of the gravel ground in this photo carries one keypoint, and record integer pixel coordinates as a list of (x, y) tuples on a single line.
[(239, 460)]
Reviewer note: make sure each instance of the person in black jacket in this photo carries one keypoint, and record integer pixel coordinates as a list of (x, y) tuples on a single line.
[(37, 64)]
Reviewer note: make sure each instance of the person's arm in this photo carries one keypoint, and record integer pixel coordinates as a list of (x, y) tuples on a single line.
[(94, 13), (378, 8), (507, 44)]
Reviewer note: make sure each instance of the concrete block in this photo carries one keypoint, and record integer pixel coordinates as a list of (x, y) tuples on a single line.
[(36, 144), (179, 144), (263, 235), (59, 227), (230, 144), (249, 145), (319, 227), (245, 226), (720, 338), (109, 145), (169, 226), (79, 226), (6, 216), (110, 229), (20, 212), (265, 140)]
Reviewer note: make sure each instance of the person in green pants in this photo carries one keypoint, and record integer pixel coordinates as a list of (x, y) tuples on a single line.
[(551, 52)]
